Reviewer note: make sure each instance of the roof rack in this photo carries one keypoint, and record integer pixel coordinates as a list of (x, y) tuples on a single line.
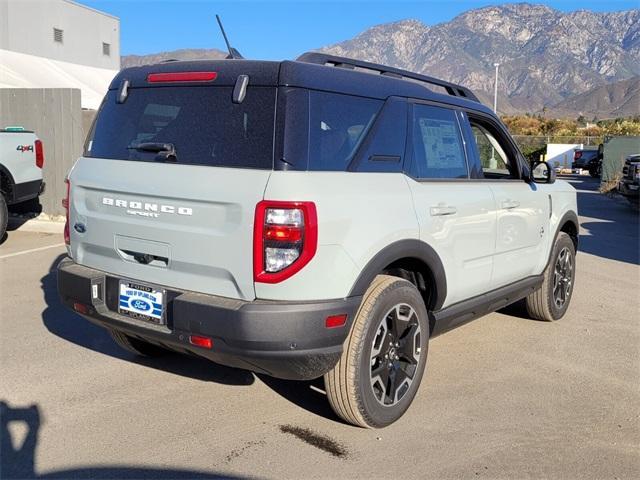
[(343, 62)]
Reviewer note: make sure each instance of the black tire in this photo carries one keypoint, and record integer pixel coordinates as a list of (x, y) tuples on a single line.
[(136, 346), (355, 391), (4, 216), (551, 300), (595, 171)]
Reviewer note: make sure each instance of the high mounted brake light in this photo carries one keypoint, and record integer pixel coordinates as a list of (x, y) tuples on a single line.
[(181, 77), (285, 239)]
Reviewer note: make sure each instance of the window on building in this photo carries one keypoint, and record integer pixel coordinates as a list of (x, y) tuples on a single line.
[(58, 35), (106, 49)]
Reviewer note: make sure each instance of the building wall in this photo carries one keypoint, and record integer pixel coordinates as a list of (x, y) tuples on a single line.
[(26, 26), (56, 117)]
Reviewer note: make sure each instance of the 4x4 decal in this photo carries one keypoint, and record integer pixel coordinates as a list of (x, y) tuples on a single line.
[(24, 148)]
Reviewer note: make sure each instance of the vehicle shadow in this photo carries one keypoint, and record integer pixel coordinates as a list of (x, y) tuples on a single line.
[(18, 461), (610, 228), (69, 326), (65, 324)]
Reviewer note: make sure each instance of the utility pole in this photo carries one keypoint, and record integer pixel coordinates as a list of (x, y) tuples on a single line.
[(495, 90)]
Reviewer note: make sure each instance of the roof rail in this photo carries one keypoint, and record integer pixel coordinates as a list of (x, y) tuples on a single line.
[(343, 62)]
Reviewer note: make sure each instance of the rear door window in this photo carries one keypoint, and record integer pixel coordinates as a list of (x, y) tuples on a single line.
[(202, 123), (437, 148)]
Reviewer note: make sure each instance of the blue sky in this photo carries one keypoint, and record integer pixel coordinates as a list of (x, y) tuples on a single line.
[(283, 29)]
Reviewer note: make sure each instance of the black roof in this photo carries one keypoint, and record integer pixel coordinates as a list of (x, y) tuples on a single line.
[(319, 72)]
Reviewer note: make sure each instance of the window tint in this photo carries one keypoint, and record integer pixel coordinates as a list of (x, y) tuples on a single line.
[(384, 147), (203, 124), (438, 151), (493, 159), (337, 125)]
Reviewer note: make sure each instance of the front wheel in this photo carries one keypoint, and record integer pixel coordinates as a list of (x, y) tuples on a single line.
[(384, 358), (551, 301)]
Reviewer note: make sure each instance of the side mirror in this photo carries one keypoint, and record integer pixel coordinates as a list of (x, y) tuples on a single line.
[(542, 172)]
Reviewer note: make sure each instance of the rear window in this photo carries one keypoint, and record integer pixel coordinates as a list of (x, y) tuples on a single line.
[(202, 123)]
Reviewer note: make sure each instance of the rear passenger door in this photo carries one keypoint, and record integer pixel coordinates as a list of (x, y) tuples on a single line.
[(457, 216), (522, 208)]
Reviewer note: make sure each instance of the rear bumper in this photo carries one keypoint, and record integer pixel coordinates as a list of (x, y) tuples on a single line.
[(281, 339), (22, 192)]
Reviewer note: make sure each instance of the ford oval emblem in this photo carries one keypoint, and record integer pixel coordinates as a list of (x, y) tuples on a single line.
[(140, 305), (79, 227)]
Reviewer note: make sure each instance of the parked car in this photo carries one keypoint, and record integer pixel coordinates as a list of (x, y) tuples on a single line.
[(588, 159), (21, 163), (318, 217), (629, 184)]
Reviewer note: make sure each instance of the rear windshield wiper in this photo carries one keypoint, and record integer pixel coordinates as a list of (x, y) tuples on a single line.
[(165, 151)]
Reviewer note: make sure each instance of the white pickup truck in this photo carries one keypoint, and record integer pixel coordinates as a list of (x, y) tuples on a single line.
[(21, 163)]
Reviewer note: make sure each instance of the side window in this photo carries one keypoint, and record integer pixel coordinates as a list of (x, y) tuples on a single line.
[(495, 162), (437, 148), (337, 125)]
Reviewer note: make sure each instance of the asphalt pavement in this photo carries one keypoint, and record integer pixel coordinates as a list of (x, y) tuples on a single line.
[(503, 397)]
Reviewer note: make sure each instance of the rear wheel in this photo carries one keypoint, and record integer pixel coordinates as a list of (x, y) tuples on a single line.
[(551, 300), (136, 346), (384, 358), (4, 216)]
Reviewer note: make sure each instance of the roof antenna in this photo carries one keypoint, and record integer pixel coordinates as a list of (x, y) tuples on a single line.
[(233, 53)]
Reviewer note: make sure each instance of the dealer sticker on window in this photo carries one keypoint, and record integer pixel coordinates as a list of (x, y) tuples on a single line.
[(141, 302)]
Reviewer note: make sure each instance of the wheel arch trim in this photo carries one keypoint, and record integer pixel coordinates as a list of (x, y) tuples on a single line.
[(405, 249)]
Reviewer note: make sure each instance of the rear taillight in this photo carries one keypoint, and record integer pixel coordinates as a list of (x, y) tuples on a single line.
[(65, 204), (577, 155), (285, 239), (39, 154)]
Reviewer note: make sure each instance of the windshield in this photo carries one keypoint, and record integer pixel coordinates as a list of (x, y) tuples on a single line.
[(201, 124)]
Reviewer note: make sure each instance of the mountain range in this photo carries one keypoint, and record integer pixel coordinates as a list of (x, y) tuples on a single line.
[(566, 64)]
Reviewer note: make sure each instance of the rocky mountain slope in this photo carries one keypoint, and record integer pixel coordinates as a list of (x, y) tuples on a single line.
[(619, 99), (546, 55), (184, 54)]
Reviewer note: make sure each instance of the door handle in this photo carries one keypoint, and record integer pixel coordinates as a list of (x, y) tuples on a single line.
[(442, 210), (509, 204)]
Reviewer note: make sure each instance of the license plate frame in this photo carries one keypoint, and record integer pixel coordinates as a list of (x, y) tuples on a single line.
[(142, 301)]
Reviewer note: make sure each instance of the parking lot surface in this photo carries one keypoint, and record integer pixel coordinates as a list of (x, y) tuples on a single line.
[(503, 397)]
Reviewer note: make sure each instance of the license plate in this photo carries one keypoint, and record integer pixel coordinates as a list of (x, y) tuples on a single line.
[(142, 302)]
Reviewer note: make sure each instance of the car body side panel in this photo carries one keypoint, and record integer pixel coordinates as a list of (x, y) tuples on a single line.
[(563, 201), (358, 215)]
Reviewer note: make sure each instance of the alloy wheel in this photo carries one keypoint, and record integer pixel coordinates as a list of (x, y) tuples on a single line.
[(395, 354)]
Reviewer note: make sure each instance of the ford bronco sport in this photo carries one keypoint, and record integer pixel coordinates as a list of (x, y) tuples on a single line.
[(323, 216)]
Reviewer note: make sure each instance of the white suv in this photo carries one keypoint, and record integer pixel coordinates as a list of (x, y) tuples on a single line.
[(303, 218)]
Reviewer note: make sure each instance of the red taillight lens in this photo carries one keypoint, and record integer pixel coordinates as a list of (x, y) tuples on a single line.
[(65, 204), (285, 239), (198, 341), (577, 155), (282, 233), (39, 154), (181, 77)]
